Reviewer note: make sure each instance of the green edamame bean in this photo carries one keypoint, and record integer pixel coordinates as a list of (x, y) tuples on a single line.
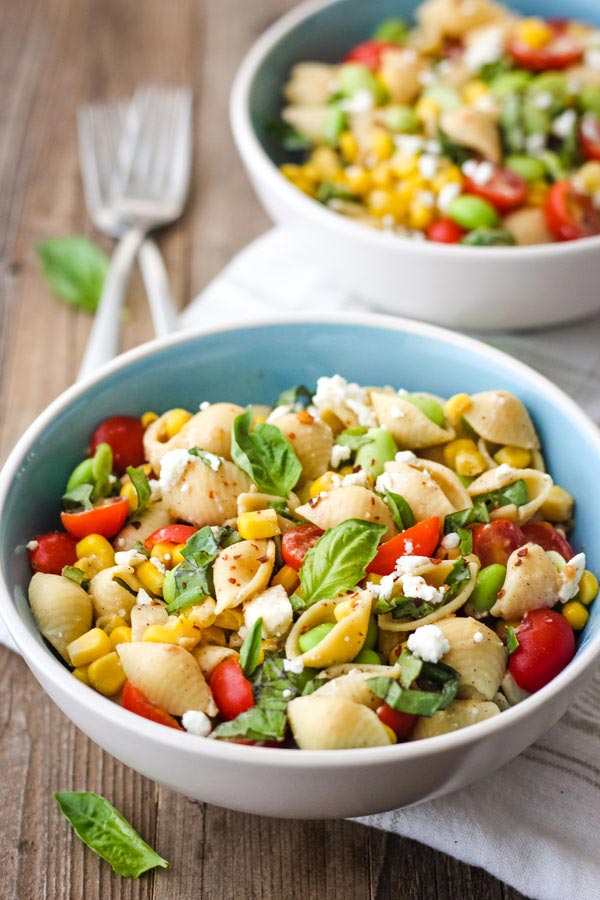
[(553, 164), (510, 82), (488, 583), (169, 586), (403, 119), (429, 406), (553, 85), (311, 638), (81, 474), (589, 100), (472, 212), (528, 167), (444, 95), (372, 634), (367, 657), (381, 448), (392, 30), (355, 77), (101, 468), (536, 120), (334, 123)]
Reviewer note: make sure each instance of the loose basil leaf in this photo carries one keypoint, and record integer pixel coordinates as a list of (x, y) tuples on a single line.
[(288, 136), (406, 607), (512, 641), (210, 460), (436, 688), (139, 480), (105, 831), (456, 580), (339, 559), (75, 270), (264, 455), (402, 514), (79, 496), (76, 575), (122, 583), (250, 649), (297, 397), (517, 493)]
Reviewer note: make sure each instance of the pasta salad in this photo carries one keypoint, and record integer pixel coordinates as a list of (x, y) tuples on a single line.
[(476, 126), (352, 567)]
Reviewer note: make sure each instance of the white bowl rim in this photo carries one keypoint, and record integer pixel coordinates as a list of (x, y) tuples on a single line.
[(139, 728), (249, 147)]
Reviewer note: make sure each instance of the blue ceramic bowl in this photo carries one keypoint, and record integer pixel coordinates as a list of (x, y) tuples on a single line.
[(255, 363)]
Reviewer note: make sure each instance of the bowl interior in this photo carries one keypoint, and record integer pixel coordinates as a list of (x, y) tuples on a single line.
[(254, 364)]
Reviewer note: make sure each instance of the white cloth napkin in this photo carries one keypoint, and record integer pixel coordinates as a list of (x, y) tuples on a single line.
[(535, 823)]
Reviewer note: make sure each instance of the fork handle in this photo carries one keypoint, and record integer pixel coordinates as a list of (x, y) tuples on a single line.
[(103, 342), (158, 289)]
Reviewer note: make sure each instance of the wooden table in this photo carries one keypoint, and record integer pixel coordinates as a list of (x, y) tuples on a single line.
[(55, 55)]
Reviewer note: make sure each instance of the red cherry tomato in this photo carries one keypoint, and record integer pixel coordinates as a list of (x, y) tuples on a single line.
[(563, 51), (54, 551), (589, 135), (296, 543), (546, 645), (369, 53), (170, 534), (546, 535), (401, 723), (422, 539), (569, 214), (125, 434), (106, 518), (231, 689), (493, 543), (136, 702), (505, 189), (445, 231)]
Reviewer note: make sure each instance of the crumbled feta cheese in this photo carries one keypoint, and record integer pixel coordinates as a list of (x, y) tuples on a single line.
[(212, 459), (409, 547), (172, 466), (428, 165), (570, 577), (479, 172), (356, 478), (450, 541), (196, 722), (433, 147), (487, 47), (112, 479), (388, 221), (416, 587), (395, 411), (204, 405), (542, 100), (32, 545), (361, 102), (478, 637), (426, 199), (428, 643), (383, 590), (158, 565), (503, 469), (447, 194), (408, 143), (405, 456), (336, 391), (384, 483), (339, 453), (129, 558), (155, 490), (535, 143), (294, 666), (286, 693), (275, 609), (409, 564), (279, 412), (563, 124), (427, 77), (143, 598), (487, 103), (120, 542)]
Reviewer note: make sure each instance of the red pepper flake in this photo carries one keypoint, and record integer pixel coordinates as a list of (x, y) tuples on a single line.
[(263, 559), (501, 593), (291, 435), (305, 417), (522, 552), (211, 494), (518, 563), (232, 581)]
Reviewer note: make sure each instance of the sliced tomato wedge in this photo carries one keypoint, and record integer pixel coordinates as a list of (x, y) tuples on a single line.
[(54, 551), (493, 543), (546, 535), (170, 534), (401, 723), (589, 135), (505, 189), (296, 543), (445, 231), (563, 51), (106, 518), (570, 215), (369, 53), (231, 689), (420, 540), (136, 702)]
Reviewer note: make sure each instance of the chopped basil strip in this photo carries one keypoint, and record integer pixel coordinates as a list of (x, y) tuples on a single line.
[(297, 602), (516, 493), (328, 190), (457, 579), (288, 136), (210, 460), (512, 641), (255, 724), (410, 668), (193, 577), (297, 397), (122, 583), (407, 607), (457, 522), (141, 549), (264, 455), (79, 496), (139, 480), (75, 270), (76, 575), (282, 509), (250, 649), (105, 831), (436, 687), (339, 559), (402, 514)]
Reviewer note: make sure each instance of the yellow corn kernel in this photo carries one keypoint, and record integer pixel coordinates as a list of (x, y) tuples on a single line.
[(175, 420), (588, 588), (326, 163), (262, 523), (148, 418), (261, 656), (404, 164), (120, 635), (164, 634), (381, 144), (130, 492), (330, 418), (588, 177), (558, 505), (287, 578), (109, 622), (456, 407), (449, 174), (453, 448), (346, 470), (534, 32), (311, 172), (428, 113), (343, 609), (517, 457), (96, 545), (576, 614), (469, 464), (474, 90), (90, 565), (163, 550), (374, 578), (325, 482), (90, 646), (358, 179), (420, 215), (190, 633), (231, 619), (382, 175), (390, 733), (152, 580), (348, 146), (387, 203), (537, 193), (296, 175), (106, 674), (81, 673)]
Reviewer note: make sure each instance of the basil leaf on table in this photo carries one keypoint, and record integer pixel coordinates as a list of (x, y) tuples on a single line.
[(105, 831), (140, 482), (250, 649), (264, 455), (339, 559), (402, 514), (75, 269)]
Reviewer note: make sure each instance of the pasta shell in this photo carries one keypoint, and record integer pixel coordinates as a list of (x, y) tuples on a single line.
[(155, 516), (430, 488), (474, 128), (400, 72), (538, 484), (312, 442), (334, 723), (454, 18), (167, 675), (373, 670), (351, 502), (242, 571), (111, 598), (511, 691), (310, 83), (354, 685), (203, 496), (481, 663), (408, 425), (531, 582), (308, 120), (144, 616), (209, 430), (61, 609), (254, 500), (342, 643), (459, 714), (528, 226), (500, 417), (209, 657), (202, 614)]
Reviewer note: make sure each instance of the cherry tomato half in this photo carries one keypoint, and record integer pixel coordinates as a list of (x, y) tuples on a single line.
[(546, 535), (231, 689), (296, 543), (569, 214), (546, 645), (369, 53), (445, 231), (505, 189), (136, 702), (589, 135), (563, 51), (493, 543), (401, 723), (106, 518), (125, 435), (170, 534), (54, 551), (420, 540)]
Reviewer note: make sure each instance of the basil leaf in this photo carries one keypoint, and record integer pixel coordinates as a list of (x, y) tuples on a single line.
[(76, 575), (255, 724), (122, 583), (191, 586), (489, 237), (476, 513), (202, 548), (193, 577), (456, 580), (512, 641), (282, 509), (517, 493), (250, 649), (328, 190), (102, 463), (466, 540), (141, 549), (407, 607), (210, 460), (491, 70), (410, 668), (436, 688), (139, 480), (297, 602), (79, 496), (286, 135), (339, 559), (297, 397), (105, 831), (264, 455), (75, 269), (226, 536), (402, 514)]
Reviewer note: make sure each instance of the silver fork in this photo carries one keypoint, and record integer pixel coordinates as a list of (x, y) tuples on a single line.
[(135, 161)]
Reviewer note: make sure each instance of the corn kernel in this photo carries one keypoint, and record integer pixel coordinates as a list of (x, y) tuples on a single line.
[(287, 578), (89, 647), (517, 457), (298, 177), (81, 673), (358, 179), (326, 162), (202, 614), (346, 470), (261, 657), (164, 634), (130, 492), (174, 421), (190, 633), (390, 733), (576, 614), (262, 523), (428, 113), (538, 191), (456, 407), (420, 215), (120, 635), (109, 622), (231, 619), (325, 482), (311, 171), (449, 174), (343, 609), (588, 588), (534, 32), (163, 550), (474, 90), (349, 146), (106, 675), (381, 144), (470, 464), (96, 545), (151, 579), (148, 418), (453, 448), (374, 578), (558, 505), (588, 178), (89, 565), (404, 164), (382, 175), (330, 418)]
